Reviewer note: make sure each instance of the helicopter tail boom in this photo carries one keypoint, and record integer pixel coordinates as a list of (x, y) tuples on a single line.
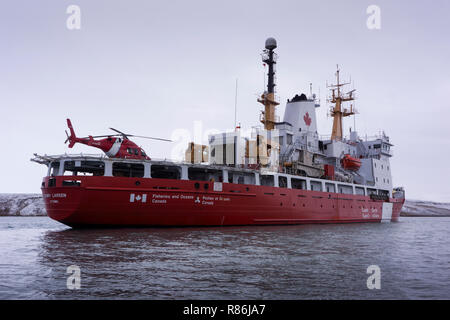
[(72, 138)]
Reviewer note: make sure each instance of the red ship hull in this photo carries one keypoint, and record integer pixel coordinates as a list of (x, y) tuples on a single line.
[(115, 201)]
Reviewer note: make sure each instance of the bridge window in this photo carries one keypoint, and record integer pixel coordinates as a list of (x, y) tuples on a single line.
[(316, 186), (267, 180), (71, 183), (54, 168), (282, 182), (330, 187), (241, 177), (288, 139), (359, 191), (371, 191), (166, 172), (84, 168), (131, 170), (298, 184), (203, 174), (345, 189)]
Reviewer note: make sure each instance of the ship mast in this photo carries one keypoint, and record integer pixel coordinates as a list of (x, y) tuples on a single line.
[(268, 97), (337, 97)]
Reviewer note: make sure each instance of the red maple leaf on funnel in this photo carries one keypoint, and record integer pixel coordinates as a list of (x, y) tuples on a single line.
[(307, 119)]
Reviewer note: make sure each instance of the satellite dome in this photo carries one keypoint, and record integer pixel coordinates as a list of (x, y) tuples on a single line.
[(271, 43)]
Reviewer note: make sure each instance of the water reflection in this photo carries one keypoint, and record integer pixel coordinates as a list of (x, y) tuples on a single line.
[(287, 262)]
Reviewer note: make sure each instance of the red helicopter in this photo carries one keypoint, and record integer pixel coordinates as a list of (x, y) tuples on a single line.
[(114, 145)]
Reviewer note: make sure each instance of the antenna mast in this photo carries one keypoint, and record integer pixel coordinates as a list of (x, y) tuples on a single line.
[(337, 97), (235, 104), (269, 57)]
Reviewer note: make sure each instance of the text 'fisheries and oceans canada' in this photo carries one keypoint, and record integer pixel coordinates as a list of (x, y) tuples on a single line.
[(204, 200)]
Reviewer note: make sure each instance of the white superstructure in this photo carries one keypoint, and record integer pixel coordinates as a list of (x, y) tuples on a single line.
[(294, 146)]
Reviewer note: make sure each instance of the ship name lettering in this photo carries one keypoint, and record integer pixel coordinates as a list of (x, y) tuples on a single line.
[(59, 195)]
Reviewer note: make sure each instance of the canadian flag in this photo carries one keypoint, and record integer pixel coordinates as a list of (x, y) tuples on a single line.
[(138, 197), (307, 119)]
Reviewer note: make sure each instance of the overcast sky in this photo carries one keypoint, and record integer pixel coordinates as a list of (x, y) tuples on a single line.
[(156, 67)]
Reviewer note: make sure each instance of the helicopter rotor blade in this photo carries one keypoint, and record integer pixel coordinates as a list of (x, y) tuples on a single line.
[(120, 132), (153, 138), (132, 135), (67, 137)]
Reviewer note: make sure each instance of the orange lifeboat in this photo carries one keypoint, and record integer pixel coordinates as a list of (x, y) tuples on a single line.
[(350, 163)]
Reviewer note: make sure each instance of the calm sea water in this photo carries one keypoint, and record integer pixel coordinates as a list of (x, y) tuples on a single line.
[(288, 262)]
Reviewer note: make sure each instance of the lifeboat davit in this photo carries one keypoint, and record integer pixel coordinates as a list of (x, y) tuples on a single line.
[(350, 163)]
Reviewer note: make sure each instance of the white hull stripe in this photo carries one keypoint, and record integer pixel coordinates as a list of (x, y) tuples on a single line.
[(114, 149), (387, 212)]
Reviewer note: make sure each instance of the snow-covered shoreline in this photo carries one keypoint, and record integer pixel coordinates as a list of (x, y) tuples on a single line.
[(32, 204), (418, 208), (22, 204)]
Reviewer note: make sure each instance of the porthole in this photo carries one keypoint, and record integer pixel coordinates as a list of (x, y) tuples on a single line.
[(206, 186), (197, 185), (138, 183)]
